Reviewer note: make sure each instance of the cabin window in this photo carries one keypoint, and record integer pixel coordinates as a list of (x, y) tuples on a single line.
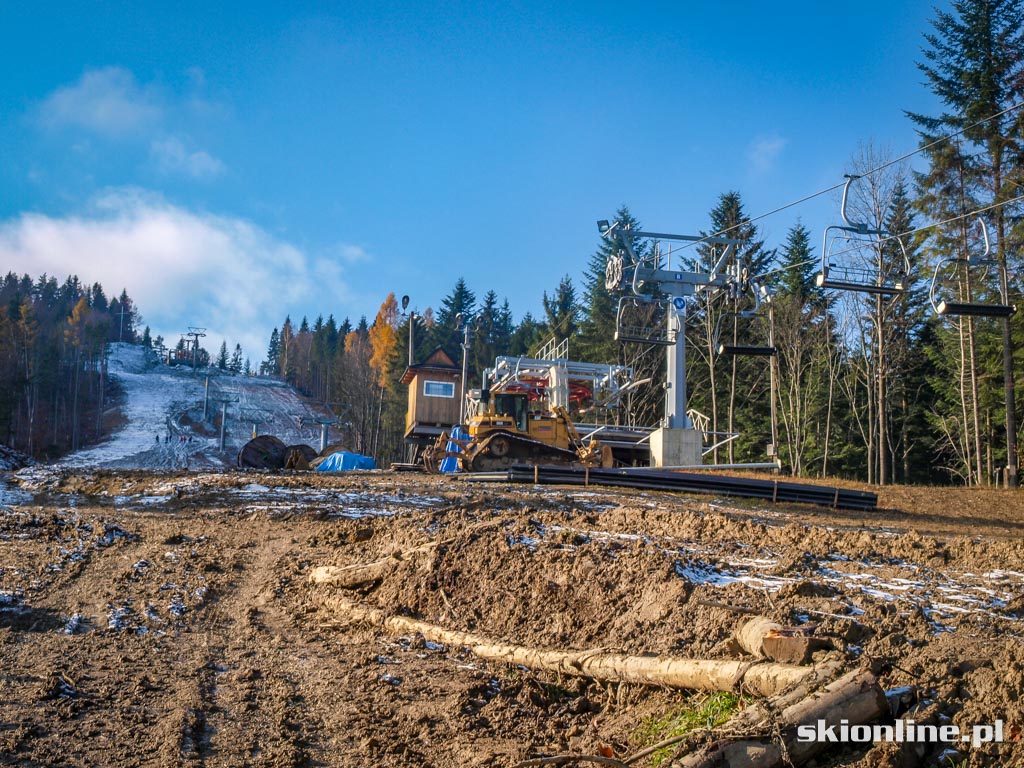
[(438, 389)]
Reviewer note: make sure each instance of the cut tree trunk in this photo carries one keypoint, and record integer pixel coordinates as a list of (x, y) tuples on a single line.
[(760, 678), (765, 638), (855, 697)]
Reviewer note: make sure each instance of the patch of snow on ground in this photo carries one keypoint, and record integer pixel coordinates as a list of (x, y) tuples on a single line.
[(156, 398)]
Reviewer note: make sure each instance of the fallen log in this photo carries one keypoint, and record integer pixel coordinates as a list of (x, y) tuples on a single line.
[(352, 576), (759, 677), (855, 698)]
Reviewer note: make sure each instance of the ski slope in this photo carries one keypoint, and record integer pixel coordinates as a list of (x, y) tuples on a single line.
[(162, 409)]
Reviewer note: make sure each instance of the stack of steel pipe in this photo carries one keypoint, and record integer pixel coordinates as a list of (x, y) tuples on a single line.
[(688, 482)]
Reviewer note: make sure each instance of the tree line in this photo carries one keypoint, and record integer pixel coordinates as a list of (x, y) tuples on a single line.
[(53, 360), (871, 386)]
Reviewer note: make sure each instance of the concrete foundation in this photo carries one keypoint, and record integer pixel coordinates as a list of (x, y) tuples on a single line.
[(676, 448)]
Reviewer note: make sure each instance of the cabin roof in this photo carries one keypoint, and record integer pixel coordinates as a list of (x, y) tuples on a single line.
[(437, 361)]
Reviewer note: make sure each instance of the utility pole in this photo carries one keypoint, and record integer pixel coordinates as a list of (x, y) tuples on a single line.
[(1012, 480), (206, 397), (773, 366)]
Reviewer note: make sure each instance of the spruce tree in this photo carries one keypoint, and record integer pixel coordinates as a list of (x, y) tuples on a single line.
[(445, 334), (271, 366), (597, 328), (974, 63), (235, 364), (562, 310)]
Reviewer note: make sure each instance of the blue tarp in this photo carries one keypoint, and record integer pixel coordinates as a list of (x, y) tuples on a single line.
[(343, 461), (451, 463)]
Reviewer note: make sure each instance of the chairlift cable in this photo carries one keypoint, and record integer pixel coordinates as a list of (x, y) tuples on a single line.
[(932, 225), (834, 187)]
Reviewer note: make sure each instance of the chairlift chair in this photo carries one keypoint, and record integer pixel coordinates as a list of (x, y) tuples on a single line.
[(633, 322), (842, 275), (740, 350), (947, 273)]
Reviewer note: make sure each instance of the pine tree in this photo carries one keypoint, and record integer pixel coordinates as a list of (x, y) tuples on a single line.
[(271, 365), (504, 326), (483, 344), (562, 310), (235, 364), (798, 265), (974, 63), (222, 356), (445, 333)]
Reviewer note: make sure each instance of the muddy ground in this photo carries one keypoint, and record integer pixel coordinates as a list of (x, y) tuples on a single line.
[(166, 619)]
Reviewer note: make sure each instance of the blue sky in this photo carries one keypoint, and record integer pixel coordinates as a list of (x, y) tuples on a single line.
[(232, 163)]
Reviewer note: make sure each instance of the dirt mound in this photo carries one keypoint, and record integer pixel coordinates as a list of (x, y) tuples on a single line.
[(169, 618)]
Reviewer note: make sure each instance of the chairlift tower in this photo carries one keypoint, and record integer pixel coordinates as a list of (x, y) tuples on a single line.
[(224, 418), (195, 334), (326, 422), (256, 417), (676, 442), (325, 425)]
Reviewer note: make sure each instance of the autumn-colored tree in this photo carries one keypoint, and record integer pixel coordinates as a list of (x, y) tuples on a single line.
[(383, 338)]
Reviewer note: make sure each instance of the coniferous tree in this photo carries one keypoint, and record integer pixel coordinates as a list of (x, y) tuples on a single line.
[(562, 310), (271, 365), (235, 364), (528, 335), (445, 333), (718, 318), (974, 63), (222, 356), (597, 328)]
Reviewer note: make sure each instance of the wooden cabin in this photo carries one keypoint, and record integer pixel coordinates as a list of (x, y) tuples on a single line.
[(435, 391)]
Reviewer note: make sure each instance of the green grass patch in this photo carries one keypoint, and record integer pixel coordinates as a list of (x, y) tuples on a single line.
[(701, 710)]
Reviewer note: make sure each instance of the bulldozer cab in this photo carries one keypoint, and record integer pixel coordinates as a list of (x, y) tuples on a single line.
[(515, 406)]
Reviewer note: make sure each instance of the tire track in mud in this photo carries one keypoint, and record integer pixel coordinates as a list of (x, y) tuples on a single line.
[(252, 705)]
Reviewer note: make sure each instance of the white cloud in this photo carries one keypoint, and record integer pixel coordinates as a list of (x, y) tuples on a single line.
[(182, 268), (172, 156), (353, 254), (107, 101), (764, 151), (112, 104)]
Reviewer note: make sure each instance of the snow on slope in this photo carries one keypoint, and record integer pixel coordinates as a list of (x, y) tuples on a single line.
[(163, 408)]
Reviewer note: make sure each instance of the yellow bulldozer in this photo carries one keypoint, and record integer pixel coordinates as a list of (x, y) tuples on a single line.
[(505, 431)]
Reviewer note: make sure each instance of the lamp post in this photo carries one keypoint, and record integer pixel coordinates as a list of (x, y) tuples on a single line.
[(463, 322), (413, 317)]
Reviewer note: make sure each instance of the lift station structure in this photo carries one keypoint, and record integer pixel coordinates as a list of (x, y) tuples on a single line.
[(642, 283)]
